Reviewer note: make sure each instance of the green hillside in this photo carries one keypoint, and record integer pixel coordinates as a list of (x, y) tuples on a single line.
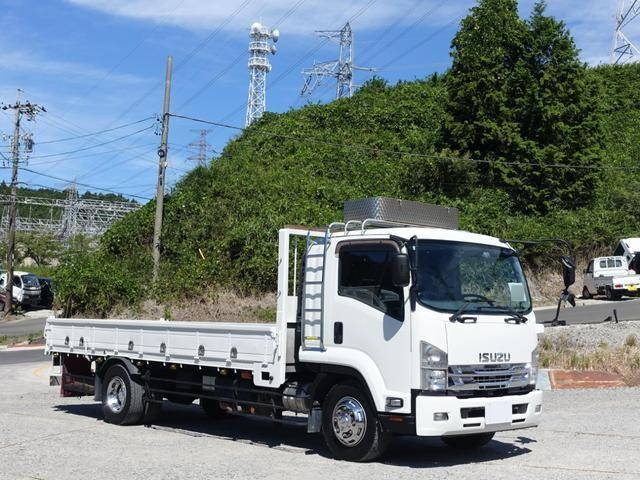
[(221, 221)]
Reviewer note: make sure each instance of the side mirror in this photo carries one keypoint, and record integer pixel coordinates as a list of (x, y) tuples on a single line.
[(568, 271), (400, 270)]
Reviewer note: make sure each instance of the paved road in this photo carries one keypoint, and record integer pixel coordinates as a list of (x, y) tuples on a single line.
[(22, 326), (13, 357), (627, 309), (585, 435)]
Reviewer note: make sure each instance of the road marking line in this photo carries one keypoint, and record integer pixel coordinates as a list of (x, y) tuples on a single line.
[(37, 372), (584, 470)]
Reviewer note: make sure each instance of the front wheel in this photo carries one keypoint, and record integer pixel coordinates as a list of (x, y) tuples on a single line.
[(586, 294), (468, 442), (350, 425)]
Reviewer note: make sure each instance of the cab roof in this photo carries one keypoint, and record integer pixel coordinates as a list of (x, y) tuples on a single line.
[(423, 233)]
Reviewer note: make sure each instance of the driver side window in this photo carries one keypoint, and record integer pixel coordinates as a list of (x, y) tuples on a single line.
[(365, 274)]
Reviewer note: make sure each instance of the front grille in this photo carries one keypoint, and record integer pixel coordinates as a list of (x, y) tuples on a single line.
[(488, 377)]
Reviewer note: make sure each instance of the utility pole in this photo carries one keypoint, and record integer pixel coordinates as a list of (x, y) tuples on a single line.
[(29, 110), (162, 168)]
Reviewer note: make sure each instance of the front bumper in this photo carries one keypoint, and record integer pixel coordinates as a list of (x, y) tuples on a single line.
[(478, 414)]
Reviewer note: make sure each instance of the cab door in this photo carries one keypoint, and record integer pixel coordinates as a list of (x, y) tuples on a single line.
[(368, 314), (588, 278)]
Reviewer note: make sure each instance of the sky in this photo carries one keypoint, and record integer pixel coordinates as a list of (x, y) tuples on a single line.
[(99, 65)]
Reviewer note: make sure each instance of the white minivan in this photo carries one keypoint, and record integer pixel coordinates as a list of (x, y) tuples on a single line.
[(26, 288)]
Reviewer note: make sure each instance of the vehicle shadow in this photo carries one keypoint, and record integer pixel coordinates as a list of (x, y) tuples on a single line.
[(412, 452)]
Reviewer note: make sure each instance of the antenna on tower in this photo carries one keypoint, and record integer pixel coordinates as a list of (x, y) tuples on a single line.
[(202, 146), (341, 69), (624, 50), (259, 66)]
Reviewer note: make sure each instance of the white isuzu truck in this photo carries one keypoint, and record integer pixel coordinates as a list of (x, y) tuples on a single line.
[(393, 322)]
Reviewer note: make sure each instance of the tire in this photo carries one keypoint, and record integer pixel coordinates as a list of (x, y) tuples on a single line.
[(350, 425), (212, 408), (609, 293), (468, 442), (123, 398), (585, 293)]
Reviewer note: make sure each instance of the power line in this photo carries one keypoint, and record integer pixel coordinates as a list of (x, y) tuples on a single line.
[(86, 185), (405, 30), (368, 149), (93, 146), (302, 59), (236, 60), (91, 134)]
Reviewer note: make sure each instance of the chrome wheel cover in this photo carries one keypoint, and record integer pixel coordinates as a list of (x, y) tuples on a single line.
[(349, 421), (116, 394)]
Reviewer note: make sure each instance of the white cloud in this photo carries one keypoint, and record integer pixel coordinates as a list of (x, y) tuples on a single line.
[(303, 20), (24, 62)]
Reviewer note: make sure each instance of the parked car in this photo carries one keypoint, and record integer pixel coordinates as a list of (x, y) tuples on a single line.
[(630, 249), (26, 288), (46, 292), (610, 276)]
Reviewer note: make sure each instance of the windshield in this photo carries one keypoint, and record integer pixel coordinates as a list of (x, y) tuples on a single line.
[(30, 281), (451, 274)]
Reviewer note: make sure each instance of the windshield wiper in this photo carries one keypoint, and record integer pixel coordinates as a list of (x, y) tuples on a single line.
[(458, 317), (514, 316)]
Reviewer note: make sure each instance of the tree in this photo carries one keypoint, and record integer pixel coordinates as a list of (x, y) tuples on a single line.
[(42, 248), (482, 119), (520, 101), (560, 116)]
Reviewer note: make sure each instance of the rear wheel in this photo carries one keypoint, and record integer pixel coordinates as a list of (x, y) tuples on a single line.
[(350, 425), (468, 442), (611, 295), (585, 293), (122, 398)]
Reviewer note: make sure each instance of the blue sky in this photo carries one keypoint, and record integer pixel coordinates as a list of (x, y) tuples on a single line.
[(98, 64)]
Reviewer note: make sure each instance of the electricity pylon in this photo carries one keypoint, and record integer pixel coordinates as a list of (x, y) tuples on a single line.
[(341, 69), (624, 50), (201, 144)]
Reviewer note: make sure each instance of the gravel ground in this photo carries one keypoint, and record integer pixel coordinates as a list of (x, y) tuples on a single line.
[(584, 435), (591, 336)]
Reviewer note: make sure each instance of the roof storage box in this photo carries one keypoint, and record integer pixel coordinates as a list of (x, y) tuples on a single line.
[(401, 211)]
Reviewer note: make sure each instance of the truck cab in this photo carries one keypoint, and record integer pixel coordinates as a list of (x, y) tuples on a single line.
[(451, 352), (629, 248), (26, 288)]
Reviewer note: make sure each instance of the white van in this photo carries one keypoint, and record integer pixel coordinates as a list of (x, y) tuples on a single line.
[(630, 249), (26, 288), (610, 276)]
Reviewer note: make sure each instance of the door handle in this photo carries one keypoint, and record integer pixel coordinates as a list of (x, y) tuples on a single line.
[(337, 333)]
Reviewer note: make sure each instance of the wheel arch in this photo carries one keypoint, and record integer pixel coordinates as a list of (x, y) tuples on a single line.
[(104, 368), (330, 375)]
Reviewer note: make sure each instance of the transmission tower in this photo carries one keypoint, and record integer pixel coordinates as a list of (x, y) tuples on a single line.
[(202, 146), (624, 50), (259, 66), (341, 69), (70, 213)]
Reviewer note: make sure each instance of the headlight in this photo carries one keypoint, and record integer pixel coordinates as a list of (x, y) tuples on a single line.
[(534, 366), (433, 368)]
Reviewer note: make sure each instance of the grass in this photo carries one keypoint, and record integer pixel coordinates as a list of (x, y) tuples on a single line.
[(12, 340), (563, 353)]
